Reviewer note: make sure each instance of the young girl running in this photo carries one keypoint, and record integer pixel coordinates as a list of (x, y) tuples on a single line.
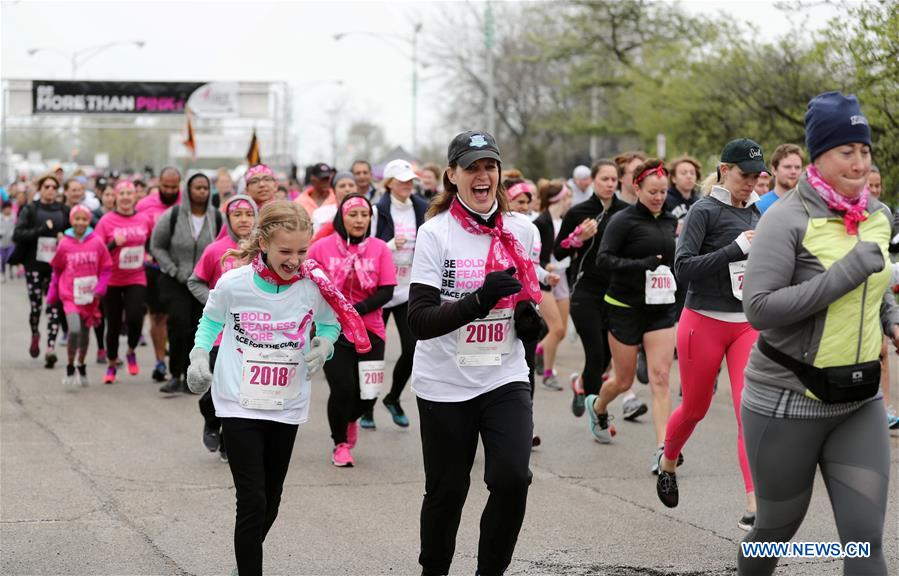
[(240, 219), (81, 270), (261, 386), (362, 268)]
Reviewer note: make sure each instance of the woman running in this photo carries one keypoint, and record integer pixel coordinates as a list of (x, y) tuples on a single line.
[(39, 226), (81, 270), (638, 250), (261, 387), (240, 220), (711, 261), (361, 267), (814, 290), (473, 286), (323, 217), (579, 237), (400, 214), (125, 233)]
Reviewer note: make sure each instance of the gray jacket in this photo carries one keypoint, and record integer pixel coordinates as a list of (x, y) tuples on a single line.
[(178, 253)]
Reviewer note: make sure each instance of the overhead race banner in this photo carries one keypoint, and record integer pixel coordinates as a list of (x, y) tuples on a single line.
[(75, 97)]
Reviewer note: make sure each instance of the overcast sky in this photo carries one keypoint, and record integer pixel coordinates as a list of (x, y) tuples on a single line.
[(271, 41)]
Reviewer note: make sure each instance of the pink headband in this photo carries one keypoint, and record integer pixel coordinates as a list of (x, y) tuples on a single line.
[(79, 208), (258, 169), (239, 203), (517, 190), (355, 202), (122, 184), (564, 192)]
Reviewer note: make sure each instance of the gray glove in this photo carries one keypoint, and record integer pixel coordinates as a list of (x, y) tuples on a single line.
[(319, 351), (199, 378), (864, 259)]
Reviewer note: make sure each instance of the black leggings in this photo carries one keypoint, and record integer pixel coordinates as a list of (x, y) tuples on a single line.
[(207, 406), (590, 321), (258, 455), (403, 367), (38, 283), (342, 373), (853, 452), (100, 329), (449, 441), (183, 315), (130, 299)]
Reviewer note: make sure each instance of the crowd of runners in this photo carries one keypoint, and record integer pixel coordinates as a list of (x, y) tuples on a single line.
[(777, 262)]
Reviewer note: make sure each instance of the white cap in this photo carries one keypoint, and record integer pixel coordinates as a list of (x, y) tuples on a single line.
[(399, 170), (581, 172)]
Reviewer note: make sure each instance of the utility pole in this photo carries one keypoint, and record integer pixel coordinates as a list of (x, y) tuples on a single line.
[(491, 85)]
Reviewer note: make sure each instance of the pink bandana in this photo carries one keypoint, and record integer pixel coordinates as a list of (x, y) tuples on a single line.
[(564, 192), (351, 263), (355, 202), (350, 321), (256, 170), (79, 208), (853, 209), (505, 251), (239, 203), (517, 190), (122, 184)]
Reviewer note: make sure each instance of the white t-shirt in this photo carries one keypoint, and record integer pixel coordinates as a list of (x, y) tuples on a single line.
[(254, 318), (453, 261), (403, 225), (323, 215), (197, 225)]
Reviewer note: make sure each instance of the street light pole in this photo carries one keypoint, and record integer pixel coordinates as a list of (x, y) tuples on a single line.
[(86, 54), (491, 85)]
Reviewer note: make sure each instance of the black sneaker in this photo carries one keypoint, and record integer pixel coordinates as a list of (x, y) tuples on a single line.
[(159, 372), (666, 488), (212, 439), (747, 522), (50, 360), (642, 370), (396, 411), (173, 386), (223, 455)]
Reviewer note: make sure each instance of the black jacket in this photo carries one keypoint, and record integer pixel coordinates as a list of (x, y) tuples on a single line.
[(707, 244), (544, 224), (629, 247), (31, 225), (677, 204), (385, 229)]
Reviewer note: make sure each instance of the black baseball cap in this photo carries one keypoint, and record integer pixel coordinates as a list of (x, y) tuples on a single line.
[(745, 153), (321, 171), (470, 146)]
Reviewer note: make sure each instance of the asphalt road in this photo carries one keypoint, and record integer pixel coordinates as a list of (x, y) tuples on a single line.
[(114, 480)]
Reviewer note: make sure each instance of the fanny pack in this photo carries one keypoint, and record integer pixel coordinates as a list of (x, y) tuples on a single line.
[(830, 385)]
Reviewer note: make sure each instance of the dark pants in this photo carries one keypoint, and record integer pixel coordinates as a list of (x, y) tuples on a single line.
[(402, 370), (184, 312), (591, 323), (131, 299), (258, 455), (37, 281), (100, 329), (342, 373), (449, 440), (207, 408)]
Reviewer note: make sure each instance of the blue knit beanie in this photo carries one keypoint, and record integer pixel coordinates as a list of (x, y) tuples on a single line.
[(832, 120)]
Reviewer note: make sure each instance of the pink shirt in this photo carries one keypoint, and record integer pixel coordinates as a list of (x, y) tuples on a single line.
[(377, 260), (209, 268), (79, 262), (127, 259), (154, 207)]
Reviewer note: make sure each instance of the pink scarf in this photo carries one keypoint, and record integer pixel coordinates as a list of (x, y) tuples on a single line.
[(505, 250), (350, 321), (853, 209), (351, 263)]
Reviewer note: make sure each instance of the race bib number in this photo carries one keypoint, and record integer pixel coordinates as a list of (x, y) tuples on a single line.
[(84, 288), (737, 276), (269, 378), (131, 257), (660, 286), (484, 341), (46, 249), (371, 379), (403, 262)]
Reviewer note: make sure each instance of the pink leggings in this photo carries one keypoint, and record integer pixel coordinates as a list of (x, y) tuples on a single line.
[(702, 343)]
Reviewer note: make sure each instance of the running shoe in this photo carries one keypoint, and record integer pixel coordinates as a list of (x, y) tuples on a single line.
[(535, 441), (642, 370), (133, 368), (577, 402), (234, 572), (212, 438), (159, 372), (70, 380), (50, 359), (82, 375), (341, 456), (599, 424), (538, 360), (892, 419), (173, 386), (552, 382), (101, 356), (633, 408), (223, 454), (110, 375), (35, 350), (666, 488), (396, 411), (656, 459), (367, 421), (747, 522), (352, 434), (142, 341), (64, 339)]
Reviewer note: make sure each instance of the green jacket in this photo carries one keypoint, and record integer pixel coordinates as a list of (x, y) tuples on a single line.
[(809, 289)]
